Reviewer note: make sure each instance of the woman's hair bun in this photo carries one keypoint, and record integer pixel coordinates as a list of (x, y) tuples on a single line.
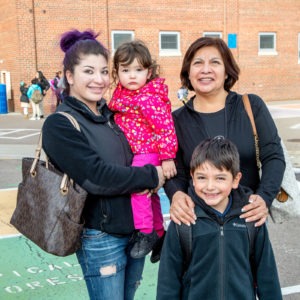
[(69, 38)]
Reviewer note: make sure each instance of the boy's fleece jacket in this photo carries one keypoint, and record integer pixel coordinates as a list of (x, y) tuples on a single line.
[(144, 115), (220, 266)]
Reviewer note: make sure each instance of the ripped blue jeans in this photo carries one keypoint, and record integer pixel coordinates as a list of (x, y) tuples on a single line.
[(109, 271)]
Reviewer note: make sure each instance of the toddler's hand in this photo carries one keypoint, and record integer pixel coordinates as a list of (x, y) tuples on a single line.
[(169, 168), (161, 179)]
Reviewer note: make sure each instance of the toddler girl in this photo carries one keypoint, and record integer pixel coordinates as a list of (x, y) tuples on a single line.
[(143, 112)]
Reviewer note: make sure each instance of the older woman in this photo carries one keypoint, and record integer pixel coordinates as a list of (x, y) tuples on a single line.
[(209, 69)]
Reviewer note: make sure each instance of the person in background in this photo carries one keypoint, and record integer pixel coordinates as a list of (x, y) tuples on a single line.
[(182, 94), (56, 90), (44, 85), (98, 158), (210, 71), (56, 79), (143, 112), (24, 98), (36, 113), (223, 260), (61, 89)]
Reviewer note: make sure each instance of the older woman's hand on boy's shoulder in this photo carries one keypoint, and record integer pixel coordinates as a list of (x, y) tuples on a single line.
[(256, 210), (182, 209)]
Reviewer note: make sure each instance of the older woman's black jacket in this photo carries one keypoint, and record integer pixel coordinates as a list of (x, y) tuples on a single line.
[(190, 132), (97, 158)]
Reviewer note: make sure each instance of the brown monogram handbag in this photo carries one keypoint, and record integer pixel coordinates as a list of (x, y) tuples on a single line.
[(49, 205)]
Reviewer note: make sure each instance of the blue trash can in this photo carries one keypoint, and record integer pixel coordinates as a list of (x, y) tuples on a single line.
[(3, 99)]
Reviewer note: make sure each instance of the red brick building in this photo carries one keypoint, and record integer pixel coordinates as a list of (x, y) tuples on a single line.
[(264, 37)]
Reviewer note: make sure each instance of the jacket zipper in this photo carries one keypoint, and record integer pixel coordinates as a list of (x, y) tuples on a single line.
[(122, 137), (222, 262), (104, 204), (111, 126), (222, 258)]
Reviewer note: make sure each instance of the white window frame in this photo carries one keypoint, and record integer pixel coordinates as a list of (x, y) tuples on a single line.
[(267, 51), (299, 48), (215, 34), (169, 52), (113, 46)]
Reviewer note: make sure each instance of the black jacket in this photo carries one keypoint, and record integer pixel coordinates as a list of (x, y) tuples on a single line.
[(190, 132), (44, 85), (220, 266), (24, 97), (97, 158)]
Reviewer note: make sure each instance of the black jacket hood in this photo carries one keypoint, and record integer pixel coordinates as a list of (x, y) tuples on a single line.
[(105, 113)]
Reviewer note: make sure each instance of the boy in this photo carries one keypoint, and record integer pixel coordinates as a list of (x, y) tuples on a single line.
[(220, 266)]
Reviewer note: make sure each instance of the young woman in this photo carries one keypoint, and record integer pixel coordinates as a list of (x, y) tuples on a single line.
[(98, 158), (44, 85)]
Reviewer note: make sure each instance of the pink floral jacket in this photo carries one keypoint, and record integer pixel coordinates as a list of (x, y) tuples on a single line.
[(145, 117)]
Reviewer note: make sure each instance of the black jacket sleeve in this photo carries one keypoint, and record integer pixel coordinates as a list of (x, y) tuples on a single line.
[(169, 282), (69, 150), (181, 181), (45, 85), (271, 153), (267, 280)]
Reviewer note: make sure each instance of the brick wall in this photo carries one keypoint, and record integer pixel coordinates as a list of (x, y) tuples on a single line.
[(30, 35), (9, 48), (272, 77)]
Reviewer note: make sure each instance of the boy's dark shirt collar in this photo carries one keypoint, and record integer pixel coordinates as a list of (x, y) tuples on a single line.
[(223, 214)]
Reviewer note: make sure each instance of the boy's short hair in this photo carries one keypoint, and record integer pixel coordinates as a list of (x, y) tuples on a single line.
[(218, 151)]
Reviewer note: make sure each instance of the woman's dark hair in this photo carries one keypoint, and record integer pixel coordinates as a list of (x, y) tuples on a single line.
[(76, 43), (219, 152), (34, 81), (41, 76), (42, 81), (231, 67), (127, 52)]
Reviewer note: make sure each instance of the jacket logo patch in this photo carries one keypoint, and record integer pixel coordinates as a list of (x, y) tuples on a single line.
[(238, 225)]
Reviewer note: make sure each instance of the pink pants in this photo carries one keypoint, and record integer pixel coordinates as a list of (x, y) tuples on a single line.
[(146, 209)]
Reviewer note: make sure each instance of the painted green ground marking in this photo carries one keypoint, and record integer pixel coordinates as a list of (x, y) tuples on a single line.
[(28, 273)]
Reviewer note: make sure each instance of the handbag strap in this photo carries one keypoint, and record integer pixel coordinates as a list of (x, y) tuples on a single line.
[(248, 109), (38, 149), (71, 119)]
